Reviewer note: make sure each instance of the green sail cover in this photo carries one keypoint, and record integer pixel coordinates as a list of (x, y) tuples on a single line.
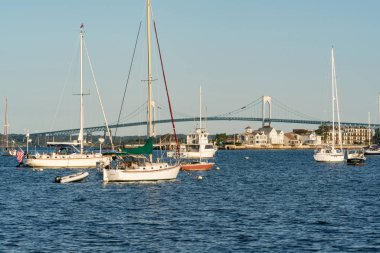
[(146, 149)]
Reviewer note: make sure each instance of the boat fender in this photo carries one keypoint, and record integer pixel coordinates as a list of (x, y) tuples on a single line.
[(58, 179), (37, 155)]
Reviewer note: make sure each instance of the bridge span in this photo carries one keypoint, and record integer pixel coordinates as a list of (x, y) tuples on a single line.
[(193, 119)]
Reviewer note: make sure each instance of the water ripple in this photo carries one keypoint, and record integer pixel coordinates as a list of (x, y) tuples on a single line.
[(275, 201)]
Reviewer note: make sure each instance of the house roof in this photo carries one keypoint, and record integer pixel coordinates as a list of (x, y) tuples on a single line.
[(266, 129), (290, 136)]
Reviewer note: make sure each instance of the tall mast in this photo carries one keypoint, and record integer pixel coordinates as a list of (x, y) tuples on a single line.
[(369, 129), (378, 101), (337, 110), (200, 123), (5, 137), (200, 107), (149, 130), (80, 137), (333, 97)]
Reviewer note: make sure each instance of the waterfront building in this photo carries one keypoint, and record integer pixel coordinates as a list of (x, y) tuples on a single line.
[(292, 139), (251, 137), (263, 136), (351, 135), (308, 137), (275, 137)]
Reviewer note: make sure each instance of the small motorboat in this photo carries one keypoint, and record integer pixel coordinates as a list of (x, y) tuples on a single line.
[(372, 150), (72, 178), (198, 165), (356, 157)]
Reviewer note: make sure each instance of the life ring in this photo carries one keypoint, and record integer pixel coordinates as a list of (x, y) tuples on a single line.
[(37, 155)]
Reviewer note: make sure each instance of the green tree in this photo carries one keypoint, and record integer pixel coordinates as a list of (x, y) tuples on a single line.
[(376, 137), (220, 139), (322, 131)]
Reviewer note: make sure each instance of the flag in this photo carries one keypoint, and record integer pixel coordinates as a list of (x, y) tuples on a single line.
[(20, 155), (81, 26)]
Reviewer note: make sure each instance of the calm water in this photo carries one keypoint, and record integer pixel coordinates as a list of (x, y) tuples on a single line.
[(275, 201)]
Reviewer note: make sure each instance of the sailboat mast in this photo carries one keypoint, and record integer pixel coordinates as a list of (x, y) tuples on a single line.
[(149, 130), (337, 109), (200, 123), (80, 137), (333, 97), (5, 136), (200, 107), (369, 129)]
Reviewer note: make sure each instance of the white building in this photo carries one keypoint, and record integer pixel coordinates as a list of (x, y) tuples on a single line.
[(251, 137), (350, 135), (275, 137), (308, 137)]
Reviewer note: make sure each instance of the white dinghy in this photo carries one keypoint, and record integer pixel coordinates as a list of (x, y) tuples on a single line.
[(72, 178)]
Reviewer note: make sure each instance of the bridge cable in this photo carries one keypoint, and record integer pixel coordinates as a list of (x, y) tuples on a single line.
[(241, 109), (292, 111)]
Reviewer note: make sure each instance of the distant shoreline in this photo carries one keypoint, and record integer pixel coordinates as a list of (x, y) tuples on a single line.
[(279, 147)]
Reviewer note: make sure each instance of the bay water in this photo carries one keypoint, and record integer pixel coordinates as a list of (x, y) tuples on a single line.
[(251, 201)]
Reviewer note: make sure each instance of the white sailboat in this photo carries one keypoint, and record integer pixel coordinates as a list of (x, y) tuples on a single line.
[(131, 164), (330, 153), (66, 154), (372, 149), (6, 149)]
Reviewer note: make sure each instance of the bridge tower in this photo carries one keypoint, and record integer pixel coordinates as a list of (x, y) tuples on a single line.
[(267, 99)]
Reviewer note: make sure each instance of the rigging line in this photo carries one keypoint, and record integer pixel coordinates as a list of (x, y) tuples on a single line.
[(97, 91), (65, 84), (135, 112), (164, 108), (166, 87), (129, 74)]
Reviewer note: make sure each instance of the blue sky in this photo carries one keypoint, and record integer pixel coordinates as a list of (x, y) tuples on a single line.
[(237, 50)]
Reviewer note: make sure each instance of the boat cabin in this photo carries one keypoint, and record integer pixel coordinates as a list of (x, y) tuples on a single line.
[(64, 149), (128, 161)]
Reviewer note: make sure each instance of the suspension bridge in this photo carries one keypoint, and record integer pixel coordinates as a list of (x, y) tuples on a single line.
[(265, 109)]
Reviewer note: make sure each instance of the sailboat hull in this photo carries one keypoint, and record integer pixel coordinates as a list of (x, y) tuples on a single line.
[(154, 173), (69, 161), (372, 151), (9, 152), (197, 166), (329, 157)]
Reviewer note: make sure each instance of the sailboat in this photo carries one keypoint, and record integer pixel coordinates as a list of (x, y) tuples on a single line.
[(68, 154), (7, 150), (371, 149), (199, 164), (133, 164), (330, 153)]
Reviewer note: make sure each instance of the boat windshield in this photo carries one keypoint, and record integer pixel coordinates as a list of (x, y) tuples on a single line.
[(65, 149), (193, 148)]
